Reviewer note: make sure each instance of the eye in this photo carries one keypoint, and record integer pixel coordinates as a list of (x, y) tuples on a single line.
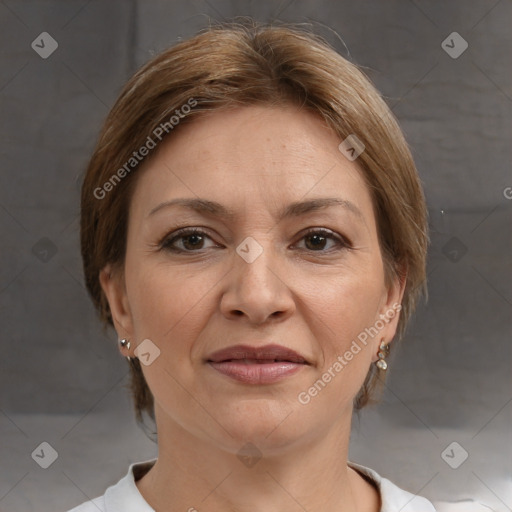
[(192, 239), (317, 239)]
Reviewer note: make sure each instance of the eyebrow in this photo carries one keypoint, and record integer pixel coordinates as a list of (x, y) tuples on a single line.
[(295, 209)]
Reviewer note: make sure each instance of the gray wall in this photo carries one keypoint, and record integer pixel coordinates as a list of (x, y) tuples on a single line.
[(451, 378)]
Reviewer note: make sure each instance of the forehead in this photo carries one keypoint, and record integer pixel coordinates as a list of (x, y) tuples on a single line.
[(252, 157)]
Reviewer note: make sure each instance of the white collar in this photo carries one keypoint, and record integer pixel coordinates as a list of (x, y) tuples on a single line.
[(125, 496), (393, 498)]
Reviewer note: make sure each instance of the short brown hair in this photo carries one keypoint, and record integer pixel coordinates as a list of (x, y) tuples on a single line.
[(244, 63)]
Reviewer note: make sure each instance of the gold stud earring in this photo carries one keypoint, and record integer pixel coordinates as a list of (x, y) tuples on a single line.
[(383, 352)]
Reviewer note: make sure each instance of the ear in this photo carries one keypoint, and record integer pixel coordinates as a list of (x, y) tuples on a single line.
[(389, 311), (113, 285)]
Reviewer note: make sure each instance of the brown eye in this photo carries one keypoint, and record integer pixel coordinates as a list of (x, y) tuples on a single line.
[(317, 240), (191, 240)]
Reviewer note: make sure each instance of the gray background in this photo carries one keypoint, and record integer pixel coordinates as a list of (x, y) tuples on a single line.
[(63, 381)]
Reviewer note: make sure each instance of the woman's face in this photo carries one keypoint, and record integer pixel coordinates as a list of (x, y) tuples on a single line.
[(308, 278)]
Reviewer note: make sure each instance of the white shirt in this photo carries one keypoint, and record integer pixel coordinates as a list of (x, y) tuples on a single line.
[(125, 496)]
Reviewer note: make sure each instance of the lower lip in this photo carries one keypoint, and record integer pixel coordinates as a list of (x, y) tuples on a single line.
[(255, 373)]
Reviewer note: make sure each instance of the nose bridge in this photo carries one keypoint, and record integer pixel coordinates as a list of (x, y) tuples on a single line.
[(254, 260), (255, 287)]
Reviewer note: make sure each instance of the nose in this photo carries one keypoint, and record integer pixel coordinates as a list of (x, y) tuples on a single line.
[(259, 290)]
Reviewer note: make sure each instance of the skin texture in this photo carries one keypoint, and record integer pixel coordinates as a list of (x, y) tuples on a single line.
[(312, 295)]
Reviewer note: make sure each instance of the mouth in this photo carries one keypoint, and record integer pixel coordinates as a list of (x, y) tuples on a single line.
[(257, 355), (255, 361), (257, 365)]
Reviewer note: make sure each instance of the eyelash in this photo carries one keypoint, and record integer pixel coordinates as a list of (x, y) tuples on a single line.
[(166, 243)]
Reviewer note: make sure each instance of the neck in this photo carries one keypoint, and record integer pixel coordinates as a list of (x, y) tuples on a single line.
[(192, 472)]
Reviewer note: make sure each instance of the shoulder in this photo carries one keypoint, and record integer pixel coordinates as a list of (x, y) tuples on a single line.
[(122, 496), (393, 497), (462, 506)]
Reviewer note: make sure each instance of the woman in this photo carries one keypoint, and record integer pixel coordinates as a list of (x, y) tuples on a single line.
[(254, 228)]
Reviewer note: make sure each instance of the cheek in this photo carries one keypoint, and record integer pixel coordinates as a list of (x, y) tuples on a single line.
[(345, 311), (169, 307), (167, 300), (348, 303)]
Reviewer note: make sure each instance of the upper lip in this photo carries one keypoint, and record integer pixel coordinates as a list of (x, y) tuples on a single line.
[(264, 353)]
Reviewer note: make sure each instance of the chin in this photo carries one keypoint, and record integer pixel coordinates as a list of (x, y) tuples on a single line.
[(264, 423)]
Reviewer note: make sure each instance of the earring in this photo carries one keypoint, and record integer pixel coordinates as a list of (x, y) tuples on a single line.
[(125, 344), (383, 352)]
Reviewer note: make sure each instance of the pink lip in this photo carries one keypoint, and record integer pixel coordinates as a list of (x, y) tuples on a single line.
[(263, 353), (257, 365), (257, 373)]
